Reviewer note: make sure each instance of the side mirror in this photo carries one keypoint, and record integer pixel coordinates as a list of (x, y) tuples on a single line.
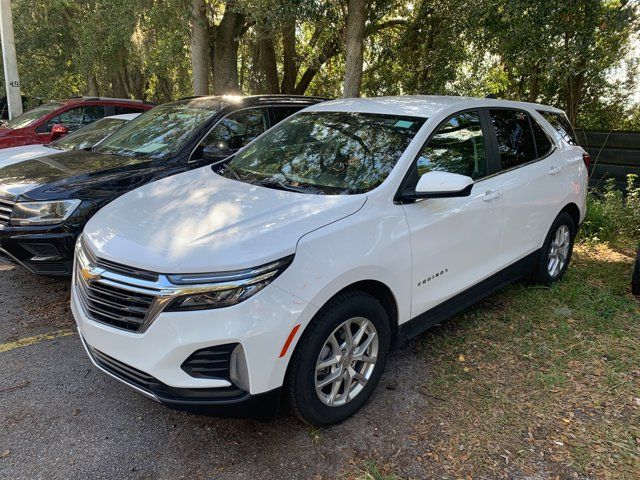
[(58, 131), (440, 185), (216, 151)]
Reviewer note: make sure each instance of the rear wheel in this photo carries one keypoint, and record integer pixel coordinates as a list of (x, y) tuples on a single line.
[(556, 251), (339, 360)]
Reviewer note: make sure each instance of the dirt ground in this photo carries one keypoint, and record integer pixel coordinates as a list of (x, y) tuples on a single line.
[(61, 419)]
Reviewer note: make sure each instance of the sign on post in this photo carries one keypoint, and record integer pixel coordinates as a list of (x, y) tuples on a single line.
[(11, 79)]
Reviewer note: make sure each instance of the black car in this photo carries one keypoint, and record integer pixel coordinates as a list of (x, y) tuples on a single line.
[(45, 202)]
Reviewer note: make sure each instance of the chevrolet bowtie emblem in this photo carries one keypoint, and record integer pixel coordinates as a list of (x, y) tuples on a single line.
[(90, 272)]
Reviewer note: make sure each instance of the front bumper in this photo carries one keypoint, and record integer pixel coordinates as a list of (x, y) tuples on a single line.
[(41, 250), (260, 326)]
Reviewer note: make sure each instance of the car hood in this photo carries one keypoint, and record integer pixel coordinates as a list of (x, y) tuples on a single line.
[(63, 175), (201, 222), (9, 156)]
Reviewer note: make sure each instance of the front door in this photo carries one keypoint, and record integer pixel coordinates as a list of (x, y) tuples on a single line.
[(454, 240)]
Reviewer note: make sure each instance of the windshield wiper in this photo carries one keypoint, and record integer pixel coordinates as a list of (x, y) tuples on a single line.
[(281, 185), (226, 167)]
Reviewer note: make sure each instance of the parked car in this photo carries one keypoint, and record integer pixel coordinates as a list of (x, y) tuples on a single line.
[(45, 203), (635, 280), (295, 265), (84, 138), (53, 120)]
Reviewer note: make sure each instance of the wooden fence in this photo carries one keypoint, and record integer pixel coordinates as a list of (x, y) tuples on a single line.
[(614, 154)]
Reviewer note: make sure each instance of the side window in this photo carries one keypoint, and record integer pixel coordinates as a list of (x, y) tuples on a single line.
[(117, 110), (280, 113), (237, 129), (515, 138), (560, 122), (543, 144), (456, 147), (92, 113), (72, 119)]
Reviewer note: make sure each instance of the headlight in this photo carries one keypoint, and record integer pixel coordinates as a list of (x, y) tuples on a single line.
[(43, 213), (219, 290)]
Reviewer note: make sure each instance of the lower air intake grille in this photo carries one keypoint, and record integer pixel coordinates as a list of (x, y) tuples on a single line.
[(211, 362), (161, 391)]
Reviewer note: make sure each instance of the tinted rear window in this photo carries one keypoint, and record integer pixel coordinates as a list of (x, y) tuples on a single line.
[(515, 138), (543, 144), (560, 122), (280, 113)]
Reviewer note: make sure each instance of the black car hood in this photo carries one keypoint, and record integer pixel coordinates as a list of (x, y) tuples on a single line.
[(78, 174)]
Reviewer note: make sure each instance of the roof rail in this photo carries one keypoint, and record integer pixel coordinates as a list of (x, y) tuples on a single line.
[(93, 98)]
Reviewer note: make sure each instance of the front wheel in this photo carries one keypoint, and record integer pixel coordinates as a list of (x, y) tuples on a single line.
[(555, 254), (339, 360)]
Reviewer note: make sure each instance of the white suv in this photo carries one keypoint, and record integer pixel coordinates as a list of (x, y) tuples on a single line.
[(296, 265)]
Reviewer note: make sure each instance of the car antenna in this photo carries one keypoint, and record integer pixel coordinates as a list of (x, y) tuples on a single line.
[(492, 95)]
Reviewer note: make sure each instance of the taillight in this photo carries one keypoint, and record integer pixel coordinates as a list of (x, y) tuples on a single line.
[(586, 158)]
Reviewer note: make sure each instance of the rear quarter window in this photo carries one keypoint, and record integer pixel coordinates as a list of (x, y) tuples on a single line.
[(561, 123), (543, 144)]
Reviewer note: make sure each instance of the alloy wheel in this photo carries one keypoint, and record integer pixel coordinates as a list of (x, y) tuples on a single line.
[(558, 251), (346, 361)]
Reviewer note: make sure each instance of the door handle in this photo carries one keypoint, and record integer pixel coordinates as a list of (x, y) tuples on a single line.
[(491, 195), (554, 170)]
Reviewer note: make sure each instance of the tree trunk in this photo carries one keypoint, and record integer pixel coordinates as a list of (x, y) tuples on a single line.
[(92, 85), (268, 63), (290, 58), (226, 38), (199, 48), (573, 96), (328, 51), (354, 41)]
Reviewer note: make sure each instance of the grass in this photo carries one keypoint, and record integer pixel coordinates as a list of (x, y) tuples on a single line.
[(539, 381)]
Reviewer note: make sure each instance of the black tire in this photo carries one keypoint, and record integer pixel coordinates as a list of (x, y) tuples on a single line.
[(541, 275), (300, 380), (635, 279)]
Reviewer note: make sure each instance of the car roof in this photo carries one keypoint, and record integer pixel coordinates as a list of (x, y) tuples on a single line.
[(124, 116), (418, 105), (80, 99), (221, 101)]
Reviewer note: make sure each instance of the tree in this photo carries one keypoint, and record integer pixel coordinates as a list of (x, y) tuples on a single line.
[(354, 42), (199, 47)]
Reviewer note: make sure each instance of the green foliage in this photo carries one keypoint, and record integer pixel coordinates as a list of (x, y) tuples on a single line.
[(612, 216), (560, 53)]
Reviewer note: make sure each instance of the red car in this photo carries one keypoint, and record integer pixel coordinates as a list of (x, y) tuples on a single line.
[(52, 120)]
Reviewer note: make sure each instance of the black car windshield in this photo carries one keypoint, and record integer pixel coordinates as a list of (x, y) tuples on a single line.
[(326, 152), (159, 132), (31, 116), (88, 136)]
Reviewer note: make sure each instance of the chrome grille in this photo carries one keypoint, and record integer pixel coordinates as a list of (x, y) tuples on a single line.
[(110, 297), (6, 207)]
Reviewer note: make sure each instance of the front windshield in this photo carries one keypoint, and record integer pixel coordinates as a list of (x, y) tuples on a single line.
[(31, 116), (88, 136), (326, 152), (160, 132)]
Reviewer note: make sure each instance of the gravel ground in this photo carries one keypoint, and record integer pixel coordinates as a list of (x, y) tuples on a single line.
[(61, 419)]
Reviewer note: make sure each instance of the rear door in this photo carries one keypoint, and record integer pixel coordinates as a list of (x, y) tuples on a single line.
[(531, 178), (454, 240)]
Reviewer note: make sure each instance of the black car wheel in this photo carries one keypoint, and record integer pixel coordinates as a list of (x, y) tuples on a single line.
[(339, 359), (555, 254)]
